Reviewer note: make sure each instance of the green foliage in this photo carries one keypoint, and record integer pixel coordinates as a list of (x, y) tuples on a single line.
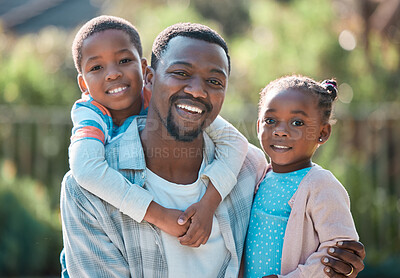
[(30, 234)]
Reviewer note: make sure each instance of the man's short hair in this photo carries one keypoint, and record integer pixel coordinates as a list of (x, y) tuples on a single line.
[(191, 30), (99, 24)]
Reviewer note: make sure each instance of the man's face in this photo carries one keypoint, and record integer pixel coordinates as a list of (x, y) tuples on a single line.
[(188, 87)]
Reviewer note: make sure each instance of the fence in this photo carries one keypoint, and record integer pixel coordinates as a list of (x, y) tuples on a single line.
[(363, 152)]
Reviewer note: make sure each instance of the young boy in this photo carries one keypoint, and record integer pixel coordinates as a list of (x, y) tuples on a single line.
[(107, 53)]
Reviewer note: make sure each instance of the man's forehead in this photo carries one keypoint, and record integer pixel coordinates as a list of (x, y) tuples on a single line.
[(182, 48)]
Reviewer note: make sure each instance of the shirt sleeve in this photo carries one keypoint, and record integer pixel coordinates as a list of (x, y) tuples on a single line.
[(230, 152), (329, 209), (92, 172), (89, 251)]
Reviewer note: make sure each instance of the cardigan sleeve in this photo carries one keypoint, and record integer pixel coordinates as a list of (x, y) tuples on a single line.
[(328, 207)]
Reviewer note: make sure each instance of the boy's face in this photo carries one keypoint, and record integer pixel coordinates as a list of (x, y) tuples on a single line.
[(290, 129), (112, 72)]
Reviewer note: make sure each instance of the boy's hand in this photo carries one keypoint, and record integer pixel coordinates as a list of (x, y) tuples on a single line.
[(200, 215), (166, 219), (200, 218)]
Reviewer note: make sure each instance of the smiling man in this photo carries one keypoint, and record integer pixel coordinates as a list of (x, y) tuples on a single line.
[(166, 155)]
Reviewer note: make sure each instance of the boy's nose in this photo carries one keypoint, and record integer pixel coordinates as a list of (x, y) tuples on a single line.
[(113, 74), (195, 88)]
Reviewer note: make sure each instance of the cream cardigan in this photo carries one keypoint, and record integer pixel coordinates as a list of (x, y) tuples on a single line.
[(320, 217)]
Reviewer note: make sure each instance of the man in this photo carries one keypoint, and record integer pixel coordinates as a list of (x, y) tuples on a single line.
[(188, 80)]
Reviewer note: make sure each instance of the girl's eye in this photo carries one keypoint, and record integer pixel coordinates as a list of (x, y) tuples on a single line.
[(269, 121), (297, 123), (123, 61), (95, 68)]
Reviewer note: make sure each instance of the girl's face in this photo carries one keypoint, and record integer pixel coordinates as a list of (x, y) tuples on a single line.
[(290, 129)]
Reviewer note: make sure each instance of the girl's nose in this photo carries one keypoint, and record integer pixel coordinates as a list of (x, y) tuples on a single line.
[(280, 131)]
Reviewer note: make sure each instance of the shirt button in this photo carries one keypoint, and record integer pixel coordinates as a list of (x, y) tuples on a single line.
[(142, 175)]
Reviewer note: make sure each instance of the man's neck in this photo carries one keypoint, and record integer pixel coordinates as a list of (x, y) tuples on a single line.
[(176, 161)]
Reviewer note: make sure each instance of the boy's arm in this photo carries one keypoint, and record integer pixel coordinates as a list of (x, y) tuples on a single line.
[(329, 208), (91, 170), (230, 151)]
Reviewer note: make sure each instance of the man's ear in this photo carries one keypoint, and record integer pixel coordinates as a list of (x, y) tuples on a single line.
[(82, 83), (324, 133), (148, 78)]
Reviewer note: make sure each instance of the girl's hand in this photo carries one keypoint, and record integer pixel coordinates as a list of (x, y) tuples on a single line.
[(347, 261)]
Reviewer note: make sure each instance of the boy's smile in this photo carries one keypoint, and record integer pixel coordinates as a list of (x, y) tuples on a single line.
[(112, 72), (289, 129)]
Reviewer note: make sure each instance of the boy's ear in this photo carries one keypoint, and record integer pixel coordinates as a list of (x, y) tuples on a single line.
[(144, 66), (82, 83), (324, 133)]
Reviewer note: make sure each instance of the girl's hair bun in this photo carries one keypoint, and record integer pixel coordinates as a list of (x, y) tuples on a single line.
[(331, 87)]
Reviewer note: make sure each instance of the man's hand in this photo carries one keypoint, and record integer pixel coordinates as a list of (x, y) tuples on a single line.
[(347, 261), (270, 276), (166, 219), (199, 231)]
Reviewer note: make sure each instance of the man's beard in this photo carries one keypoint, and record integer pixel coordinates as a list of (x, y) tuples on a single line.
[(181, 134)]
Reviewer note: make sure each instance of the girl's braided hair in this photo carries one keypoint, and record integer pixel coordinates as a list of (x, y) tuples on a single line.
[(326, 91)]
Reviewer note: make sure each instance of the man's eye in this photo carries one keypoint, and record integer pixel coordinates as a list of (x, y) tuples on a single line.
[(269, 121), (215, 82), (95, 68), (181, 73), (297, 123), (126, 60)]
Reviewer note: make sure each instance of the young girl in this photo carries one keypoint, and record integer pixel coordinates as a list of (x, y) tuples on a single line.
[(299, 208)]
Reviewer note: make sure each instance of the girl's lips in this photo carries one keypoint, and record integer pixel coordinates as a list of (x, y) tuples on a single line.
[(280, 148), (117, 90)]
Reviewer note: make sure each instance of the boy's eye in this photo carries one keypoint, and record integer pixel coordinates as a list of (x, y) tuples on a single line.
[(95, 68), (126, 60), (297, 123), (269, 121)]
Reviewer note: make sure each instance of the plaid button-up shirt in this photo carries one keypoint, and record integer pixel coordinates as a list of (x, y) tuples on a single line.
[(100, 241)]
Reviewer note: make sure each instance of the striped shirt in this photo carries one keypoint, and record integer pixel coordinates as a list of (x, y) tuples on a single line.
[(100, 241)]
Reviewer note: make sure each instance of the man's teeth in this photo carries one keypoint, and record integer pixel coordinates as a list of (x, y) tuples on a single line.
[(280, 147), (190, 108), (117, 90)]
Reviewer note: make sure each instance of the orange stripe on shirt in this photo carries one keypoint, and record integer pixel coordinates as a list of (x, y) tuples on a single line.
[(102, 108), (88, 131)]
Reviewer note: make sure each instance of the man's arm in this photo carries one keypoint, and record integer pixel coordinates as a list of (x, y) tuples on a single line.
[(89, 251)]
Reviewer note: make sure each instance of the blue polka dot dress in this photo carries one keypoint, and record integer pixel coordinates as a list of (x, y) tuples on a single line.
[(268, 220)]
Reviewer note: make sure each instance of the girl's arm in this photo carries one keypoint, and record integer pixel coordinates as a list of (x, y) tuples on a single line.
[(329, 208)]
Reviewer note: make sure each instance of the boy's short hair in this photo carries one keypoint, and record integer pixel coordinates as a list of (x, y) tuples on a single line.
[(191, 30), (99, 24)]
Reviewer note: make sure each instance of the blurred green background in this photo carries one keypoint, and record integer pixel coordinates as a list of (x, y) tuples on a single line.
[(355, 41)]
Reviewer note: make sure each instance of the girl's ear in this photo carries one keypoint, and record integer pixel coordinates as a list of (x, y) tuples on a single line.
[(82, 83), (259, 123), (324, 133)]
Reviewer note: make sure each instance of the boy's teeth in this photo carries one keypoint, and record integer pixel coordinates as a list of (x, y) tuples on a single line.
[(190, 108), (117, 90)]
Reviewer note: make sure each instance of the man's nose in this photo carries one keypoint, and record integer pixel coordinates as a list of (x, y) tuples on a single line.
[(195, 87)]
